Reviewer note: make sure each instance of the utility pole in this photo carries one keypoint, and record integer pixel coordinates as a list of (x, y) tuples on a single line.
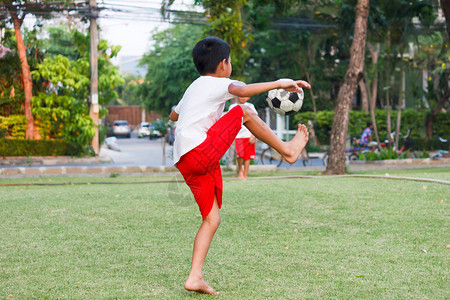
[(94, 109)]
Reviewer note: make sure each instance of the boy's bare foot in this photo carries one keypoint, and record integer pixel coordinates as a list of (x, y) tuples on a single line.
[(241, 176), (199, 286), (297, 144)]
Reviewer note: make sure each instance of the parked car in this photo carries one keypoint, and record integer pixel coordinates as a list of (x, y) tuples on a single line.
[(121, 128), (144, 129)]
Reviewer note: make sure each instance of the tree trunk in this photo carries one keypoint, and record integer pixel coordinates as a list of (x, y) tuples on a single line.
[(399, 120), (313, 98), (364, 98), (373, 97), (312, 133), (27, 82), (391, 82), (308, 78), (446, 8), (336, 159), (401, 102), (388, 114), (435, 111)]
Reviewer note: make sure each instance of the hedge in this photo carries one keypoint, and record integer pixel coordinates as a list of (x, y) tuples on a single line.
[(411, 118), (14, 125), (23, 147)]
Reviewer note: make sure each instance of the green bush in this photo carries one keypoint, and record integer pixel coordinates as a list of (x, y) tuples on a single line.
[(23, 147), (102, 133), (442, 125), (383, 154), (411, 119), (77, 150), (425, 154), (387, 154), (14, 125), (3, 132)]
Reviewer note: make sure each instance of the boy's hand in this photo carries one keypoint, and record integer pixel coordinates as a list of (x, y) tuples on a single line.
[(293, 86)]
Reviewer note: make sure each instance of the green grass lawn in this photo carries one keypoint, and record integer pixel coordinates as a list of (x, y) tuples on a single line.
[(441, 173), (289, 239)]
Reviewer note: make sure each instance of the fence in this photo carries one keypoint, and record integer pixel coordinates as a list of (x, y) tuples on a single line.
[(134, 114)]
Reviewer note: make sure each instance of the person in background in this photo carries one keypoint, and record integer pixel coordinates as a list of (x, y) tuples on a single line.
[(245, 142), (366, 136)]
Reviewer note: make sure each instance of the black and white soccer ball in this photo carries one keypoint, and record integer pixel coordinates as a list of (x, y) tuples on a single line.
[(284, 102)]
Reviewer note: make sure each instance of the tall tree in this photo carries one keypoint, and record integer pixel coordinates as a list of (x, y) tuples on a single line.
[(17, 11), (170, 67), (399, 31), (129, 91), (446, 8), (225, 21), (288, 39), (432, 54), (11, 84), (336, 160), (27, 82), (375, 52), (60, 109)]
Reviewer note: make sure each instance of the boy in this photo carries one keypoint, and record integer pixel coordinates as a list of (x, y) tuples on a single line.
[(201, 139), (245, 142)]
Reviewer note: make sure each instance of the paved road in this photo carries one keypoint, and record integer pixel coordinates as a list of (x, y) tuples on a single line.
[(135, 151), (145, 156), (148, 152)]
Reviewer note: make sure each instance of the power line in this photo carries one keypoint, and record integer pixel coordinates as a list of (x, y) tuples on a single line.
[(130, 1), (130, 12), (132, 9), (189, 17), (159, 20), (126, 12), (132, 6)]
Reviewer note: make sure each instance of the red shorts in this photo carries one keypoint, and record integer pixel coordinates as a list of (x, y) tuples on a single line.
[(200, 167), (244, 149)]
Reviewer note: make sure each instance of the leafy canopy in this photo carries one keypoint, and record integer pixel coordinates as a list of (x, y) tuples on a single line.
[(62, 109), (170, 69)]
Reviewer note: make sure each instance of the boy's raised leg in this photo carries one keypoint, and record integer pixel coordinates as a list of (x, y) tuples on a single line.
[(289, 150), (205, 234)]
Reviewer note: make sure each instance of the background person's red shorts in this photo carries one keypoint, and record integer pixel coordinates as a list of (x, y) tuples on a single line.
[(244, 149), (200, 167)]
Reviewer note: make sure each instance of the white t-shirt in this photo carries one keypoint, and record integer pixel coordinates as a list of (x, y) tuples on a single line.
[(244, 132), (201, 106)]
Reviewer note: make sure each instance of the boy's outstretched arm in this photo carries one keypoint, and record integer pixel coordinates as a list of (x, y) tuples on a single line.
[(241, 89)]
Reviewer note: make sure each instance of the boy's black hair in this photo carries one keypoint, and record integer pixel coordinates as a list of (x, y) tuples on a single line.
[(208, 53), (369, 124)]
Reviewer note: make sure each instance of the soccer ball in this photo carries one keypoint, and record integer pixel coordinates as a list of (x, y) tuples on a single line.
[(284, 102)]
